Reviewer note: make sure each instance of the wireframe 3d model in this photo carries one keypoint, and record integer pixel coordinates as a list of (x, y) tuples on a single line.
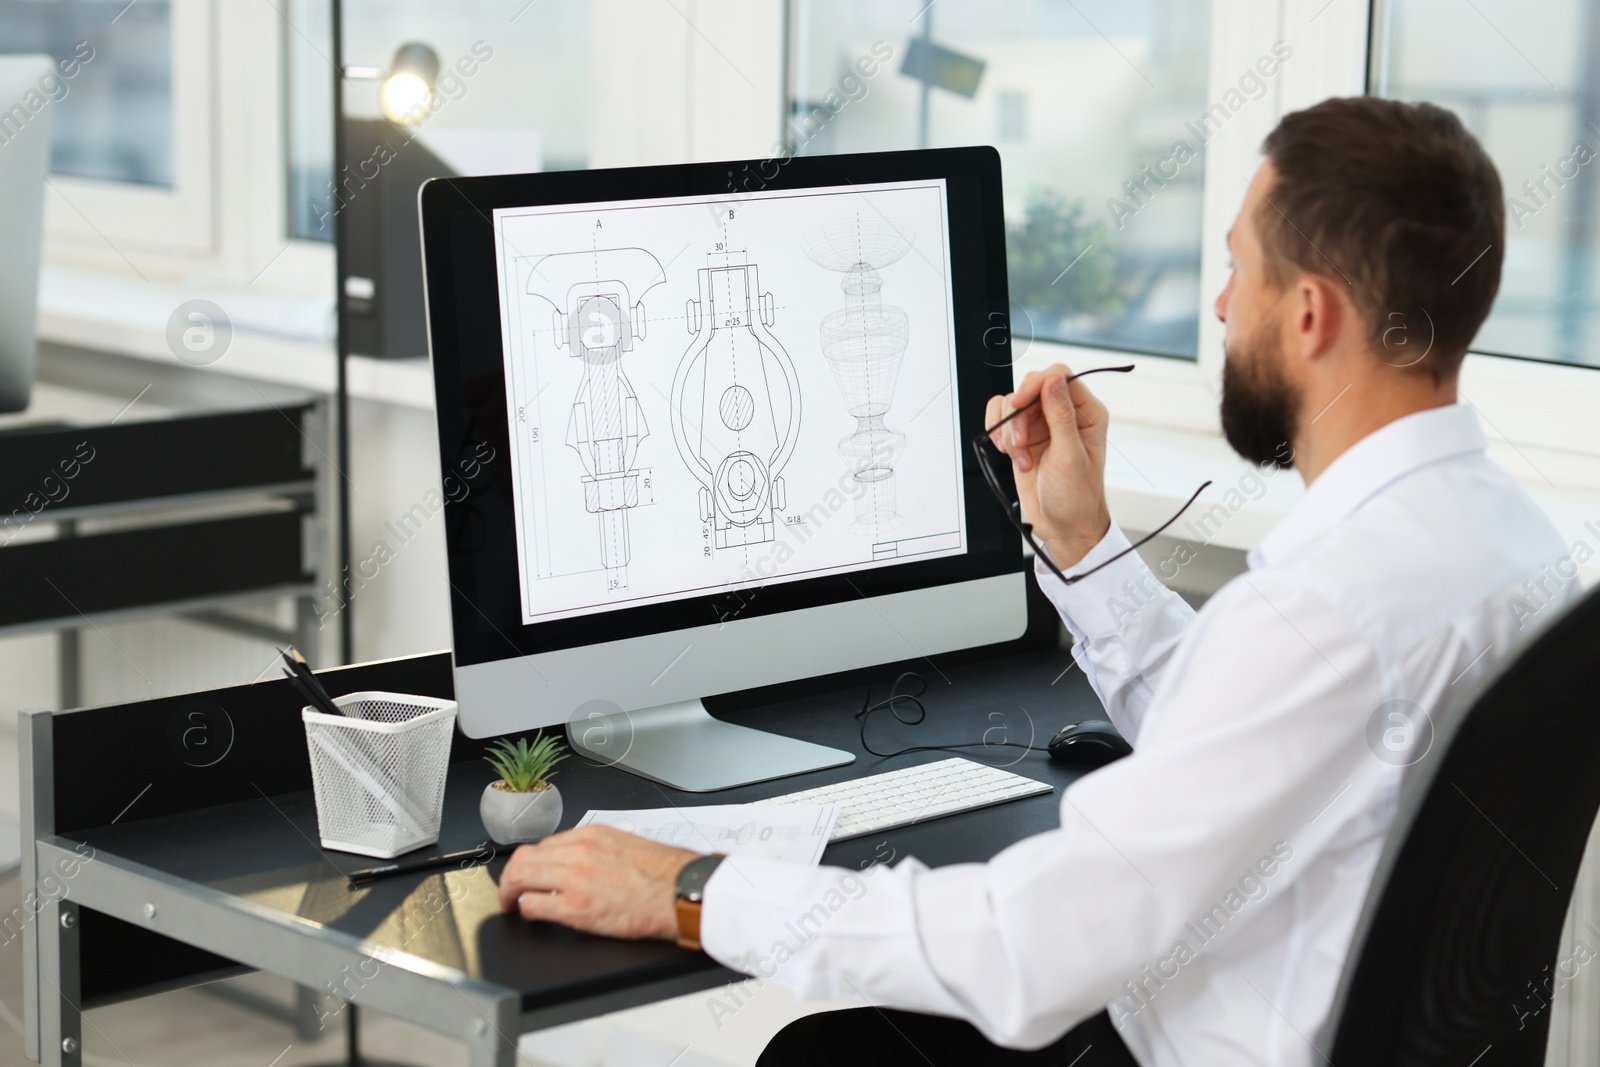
[(864, 343), (735, 403), (599, 314)]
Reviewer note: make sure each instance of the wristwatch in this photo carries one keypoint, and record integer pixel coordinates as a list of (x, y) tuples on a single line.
[(690, 892)]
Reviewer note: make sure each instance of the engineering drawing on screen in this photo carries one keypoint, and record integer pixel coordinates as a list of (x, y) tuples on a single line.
[(599, 313), (807, 438), (864, 342), (735, 403)]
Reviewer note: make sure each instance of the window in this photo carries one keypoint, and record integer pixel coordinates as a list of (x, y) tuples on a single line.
[(1525, 78), (523, 108), (1087, 101), (1012, 124), (112, 114), (308, 115), (132, 125)]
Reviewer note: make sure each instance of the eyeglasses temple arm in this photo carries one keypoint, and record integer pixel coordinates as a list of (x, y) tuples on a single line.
[(1152, 535), (1035, 400)]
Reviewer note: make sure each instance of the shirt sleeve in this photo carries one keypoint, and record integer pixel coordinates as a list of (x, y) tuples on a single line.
[(1126, 625), (1254, 734)]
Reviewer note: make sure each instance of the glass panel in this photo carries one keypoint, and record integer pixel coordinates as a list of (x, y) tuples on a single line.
[(1525, 78), (113, 102), (1088, 102), (525, 100), (308, 116)]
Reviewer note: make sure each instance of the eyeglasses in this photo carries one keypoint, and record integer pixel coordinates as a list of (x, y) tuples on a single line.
[(989, 455)]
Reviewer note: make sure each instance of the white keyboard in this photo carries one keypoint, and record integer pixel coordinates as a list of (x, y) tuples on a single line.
[(915, 794)]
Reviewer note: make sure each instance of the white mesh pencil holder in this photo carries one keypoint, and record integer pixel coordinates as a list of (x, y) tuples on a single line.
[(378, 771)]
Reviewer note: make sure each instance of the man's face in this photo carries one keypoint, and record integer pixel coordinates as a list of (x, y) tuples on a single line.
[(1259, 403)]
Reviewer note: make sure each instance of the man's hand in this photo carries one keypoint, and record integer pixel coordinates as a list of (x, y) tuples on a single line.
[(598, 879), (1058, 456)]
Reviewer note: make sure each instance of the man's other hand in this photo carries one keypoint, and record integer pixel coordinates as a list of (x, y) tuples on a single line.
[(598, 879), (1058, 456)]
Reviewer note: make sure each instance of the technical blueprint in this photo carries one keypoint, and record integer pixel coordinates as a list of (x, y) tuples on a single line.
[(709, 394)]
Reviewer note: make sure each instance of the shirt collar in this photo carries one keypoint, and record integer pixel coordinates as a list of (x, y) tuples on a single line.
[(1366, 468)]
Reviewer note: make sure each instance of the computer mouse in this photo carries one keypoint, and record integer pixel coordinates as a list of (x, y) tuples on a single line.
[(1094, 742)]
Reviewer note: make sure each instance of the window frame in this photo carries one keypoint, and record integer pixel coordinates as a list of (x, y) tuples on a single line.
[(88, 214), (225, 220), (1183, 394), (1539, 412)]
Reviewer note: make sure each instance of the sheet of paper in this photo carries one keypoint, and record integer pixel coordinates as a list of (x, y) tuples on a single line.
[(793, 832)]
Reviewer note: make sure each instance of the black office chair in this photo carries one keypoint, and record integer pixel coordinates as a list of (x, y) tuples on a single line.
[(1453, 958)]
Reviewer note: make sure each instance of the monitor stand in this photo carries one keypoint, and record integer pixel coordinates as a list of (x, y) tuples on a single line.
[(681, 745)]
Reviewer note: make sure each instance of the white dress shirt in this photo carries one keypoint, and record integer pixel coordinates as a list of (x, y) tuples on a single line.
[(1205, 888)]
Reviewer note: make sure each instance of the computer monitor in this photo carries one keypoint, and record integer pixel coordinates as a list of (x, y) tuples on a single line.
[(705, 428), (28, 84)]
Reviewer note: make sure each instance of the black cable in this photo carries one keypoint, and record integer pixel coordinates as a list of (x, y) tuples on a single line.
[(892, 705)]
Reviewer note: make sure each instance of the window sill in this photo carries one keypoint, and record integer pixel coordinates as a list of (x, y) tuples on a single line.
[(1166, 440), (1151, 470), (281, 340)]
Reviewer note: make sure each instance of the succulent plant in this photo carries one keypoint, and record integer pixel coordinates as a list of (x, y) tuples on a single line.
[(524, 767)]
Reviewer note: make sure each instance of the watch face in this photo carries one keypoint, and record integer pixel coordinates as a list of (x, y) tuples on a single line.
[(692, 879)]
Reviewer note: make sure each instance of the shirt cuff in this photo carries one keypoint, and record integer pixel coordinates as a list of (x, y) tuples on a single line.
[(737, 904), (1097, 605)]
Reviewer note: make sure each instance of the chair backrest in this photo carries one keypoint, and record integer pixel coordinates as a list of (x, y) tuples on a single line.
[(1452, 962)]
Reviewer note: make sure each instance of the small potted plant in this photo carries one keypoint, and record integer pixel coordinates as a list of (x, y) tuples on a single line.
[(522, 806)]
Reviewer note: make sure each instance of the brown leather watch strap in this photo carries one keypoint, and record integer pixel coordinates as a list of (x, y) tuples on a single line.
[(688, 924)]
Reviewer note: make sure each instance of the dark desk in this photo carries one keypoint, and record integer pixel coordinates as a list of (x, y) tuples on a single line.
[(224, 871)]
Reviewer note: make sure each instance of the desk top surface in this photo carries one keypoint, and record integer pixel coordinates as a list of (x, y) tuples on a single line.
[(266, 851)]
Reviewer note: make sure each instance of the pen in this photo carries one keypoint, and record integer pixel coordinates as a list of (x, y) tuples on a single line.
[(372, 874)]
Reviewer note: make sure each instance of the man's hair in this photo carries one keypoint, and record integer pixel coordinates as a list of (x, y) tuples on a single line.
[(1402, 204)]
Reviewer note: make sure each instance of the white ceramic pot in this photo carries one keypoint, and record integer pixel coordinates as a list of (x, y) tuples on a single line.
[(518, 818)]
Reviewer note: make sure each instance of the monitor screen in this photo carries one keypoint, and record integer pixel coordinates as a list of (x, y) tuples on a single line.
[(708, 395), (697, 398)]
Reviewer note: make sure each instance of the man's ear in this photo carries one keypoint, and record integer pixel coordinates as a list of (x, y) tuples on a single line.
[(1317, 312)]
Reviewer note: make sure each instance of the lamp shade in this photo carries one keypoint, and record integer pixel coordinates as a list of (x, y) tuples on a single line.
[(407, 90)]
